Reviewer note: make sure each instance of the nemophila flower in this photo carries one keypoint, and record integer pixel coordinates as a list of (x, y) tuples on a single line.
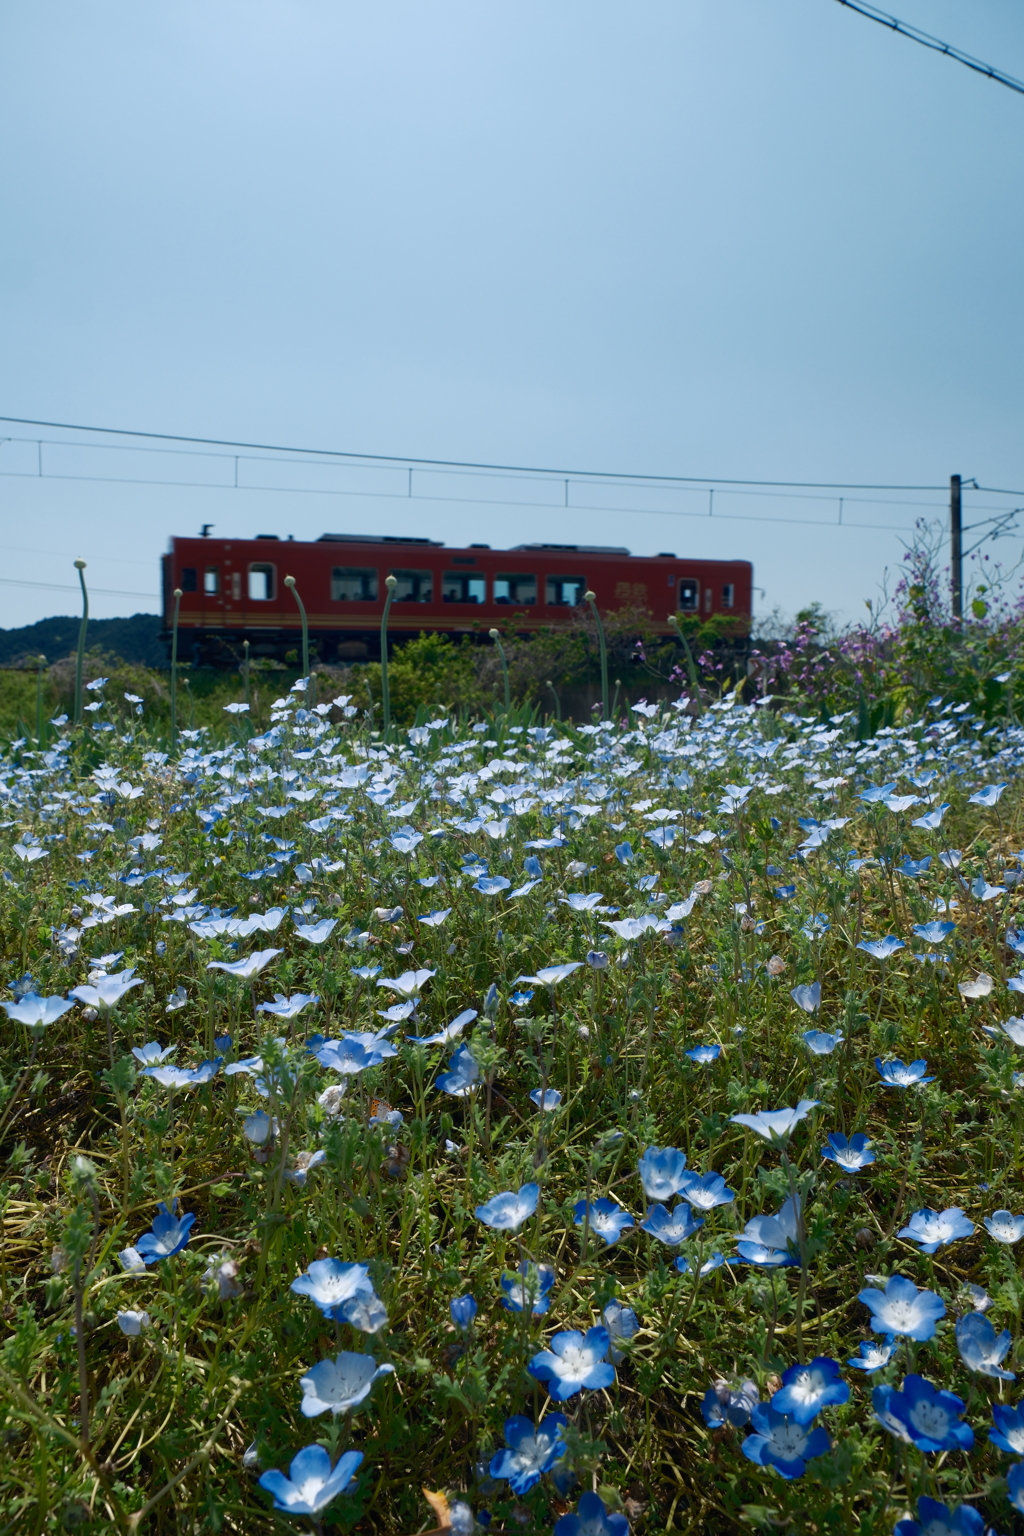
[(131, 1261), (932, 1230), (874, 1355), (705, 1191), (365, 1313), (897, 1074), (339, 1385), (551, 975), (807, 996), (175, 1000), (547, 1100), (449, 1032), (981, 986), (311, 1483), (463, 1310), (597, 959), (330, 1283), (435, 918), (288, 1007), (671, 1228), (881, 949), (531, 1451), (622, 1324), (520, 999), (606, 1218), (316, 933), (463, 1074), (935, 1519), (591, 1519), (988, 796), (153, 1054), (170, 1076), (933, 933), (729, 1403), (770, 1242), (932, 820), (575, 1362), (528, 1288), (661, 1172), (507, 1211), (1004, 1227), (820, 1043), (851, 1156), (704, 1054), (782, 1443), (1013, 1029), (133, 1323), (981, 1348), (904, 1310), (930, 1416), (206, 1071), (881, 1402), (715, 1261), (168, 1235), (1009, 1431), (37, 1012), (247, 968), (776, 1124), (108, 990), (807, 1389), (366, 972)]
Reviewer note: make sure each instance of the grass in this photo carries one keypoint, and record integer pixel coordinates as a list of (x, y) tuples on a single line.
[(169, 1430)]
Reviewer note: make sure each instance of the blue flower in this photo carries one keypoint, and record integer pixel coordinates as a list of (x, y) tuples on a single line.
[(935, 1519), (330, 1284), (981, 1348), (547, 1099), (463, 1311), (807, 1389), (807, 996), (933, 933), (169, 1234), (607, 1219), (881, 949), (725, 1403), (339, 1385), (463, 1074), (930, 1416), (671, 1229), (592, 1519), (896, 1074), (770, 1241), (1009, 1431), (782, 1443), (519, 999), (932, 1230), (622, 1324), (706, 1191), (776, 1125), (531, 1452), (904, 1310), (851, 1156), (820, 1043), (575, 1361), (881, 1402), (311, 1484), (529, 1286), (1004, 1227), (874, 1355), (1015, 1486), (661, 1172), (507, 1211), (703, 1054), (708, 1267)]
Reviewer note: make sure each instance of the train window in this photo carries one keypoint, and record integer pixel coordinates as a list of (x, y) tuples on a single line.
[(211, 581), (728, 595), (689, 595), (564, 591), (261, 583), (520, 590), (188, 578), (463, 587), (414, 586), (352, 584)]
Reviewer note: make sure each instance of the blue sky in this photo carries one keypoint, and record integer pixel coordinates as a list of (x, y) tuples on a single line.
[(708, 237)]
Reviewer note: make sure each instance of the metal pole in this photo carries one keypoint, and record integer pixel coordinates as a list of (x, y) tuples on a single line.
[(391, 582), (80, 568), (174, 667), (591, 598), (956, 546)]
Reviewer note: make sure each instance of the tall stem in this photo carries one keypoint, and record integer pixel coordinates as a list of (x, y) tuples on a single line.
[(174, 667), (391, 582), (496, 637), (591, 598), (289, 582), (80, 658), (39, 700)]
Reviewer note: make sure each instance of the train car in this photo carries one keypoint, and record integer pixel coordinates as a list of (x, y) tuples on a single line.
[(234, 590)]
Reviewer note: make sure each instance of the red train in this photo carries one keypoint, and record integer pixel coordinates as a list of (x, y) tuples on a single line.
[(234, 590)]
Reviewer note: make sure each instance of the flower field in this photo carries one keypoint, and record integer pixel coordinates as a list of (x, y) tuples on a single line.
[(512, 1128)]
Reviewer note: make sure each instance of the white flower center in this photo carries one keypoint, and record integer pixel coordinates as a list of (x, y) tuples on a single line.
[(788, 1441), (930, 1419)]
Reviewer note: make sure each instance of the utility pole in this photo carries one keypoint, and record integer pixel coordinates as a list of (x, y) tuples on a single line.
[(956, 546)]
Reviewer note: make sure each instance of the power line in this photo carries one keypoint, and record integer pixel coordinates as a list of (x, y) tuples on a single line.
[(934, 43), (514, 469), (58, 586)]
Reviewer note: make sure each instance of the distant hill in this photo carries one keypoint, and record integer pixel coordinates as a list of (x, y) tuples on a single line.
[(134, 640)]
